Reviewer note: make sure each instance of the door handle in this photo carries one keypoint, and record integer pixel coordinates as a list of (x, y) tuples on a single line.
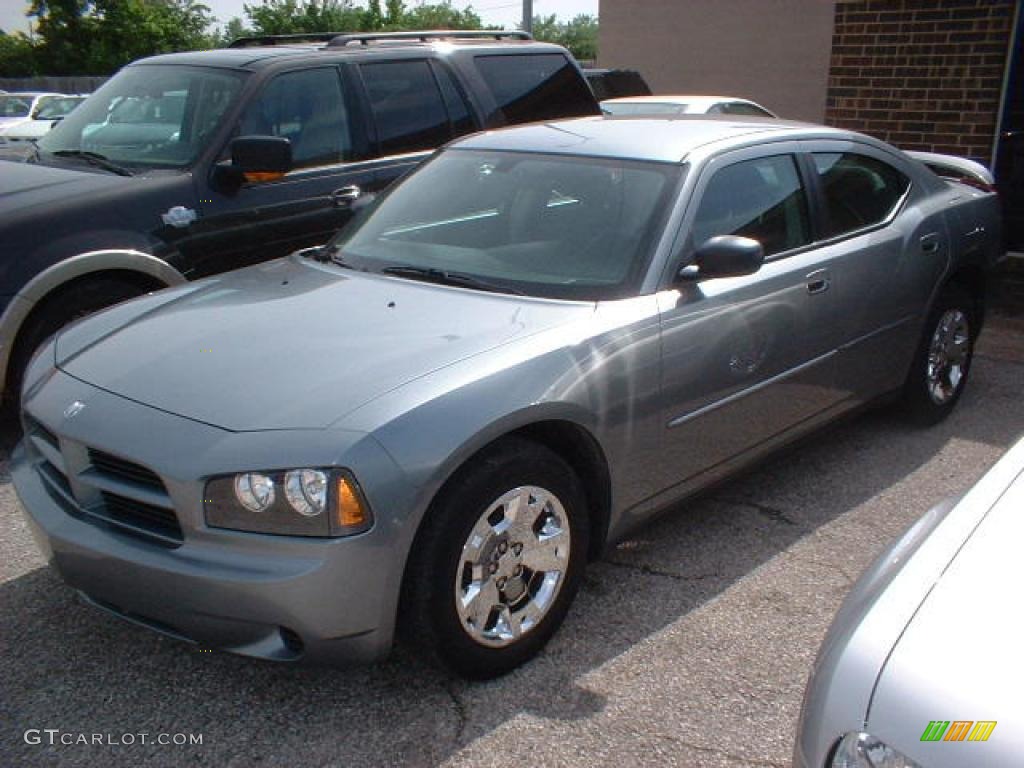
[(818, 282), (345, 196), (930, 242)]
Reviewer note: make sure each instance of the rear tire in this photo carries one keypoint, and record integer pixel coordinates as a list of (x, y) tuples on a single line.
[(498, 561), (68, 305), (941, 365)]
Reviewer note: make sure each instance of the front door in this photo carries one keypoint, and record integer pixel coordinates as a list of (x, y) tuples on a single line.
[(745, 359), (265, 219)]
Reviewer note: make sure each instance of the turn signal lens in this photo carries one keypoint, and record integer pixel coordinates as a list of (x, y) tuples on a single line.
[(350, 511)]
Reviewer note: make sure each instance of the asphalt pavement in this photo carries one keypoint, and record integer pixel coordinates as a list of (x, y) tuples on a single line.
[(689, 644)]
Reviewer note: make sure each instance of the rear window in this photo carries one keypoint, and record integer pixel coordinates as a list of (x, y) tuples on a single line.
[(529, 88), (407, 106), (859, 191)]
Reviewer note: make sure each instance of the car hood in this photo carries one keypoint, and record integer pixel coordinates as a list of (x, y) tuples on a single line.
[(23, 185), (292, 344), (958, 657)]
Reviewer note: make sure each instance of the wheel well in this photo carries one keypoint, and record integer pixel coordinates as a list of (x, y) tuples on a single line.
[(143, 282), (973, 280)]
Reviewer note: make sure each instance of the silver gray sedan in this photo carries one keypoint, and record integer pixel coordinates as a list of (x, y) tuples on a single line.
[(532, 344), (921, 666)]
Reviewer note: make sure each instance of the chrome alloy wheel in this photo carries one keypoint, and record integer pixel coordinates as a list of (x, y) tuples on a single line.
[(948, 356), (512, 566)]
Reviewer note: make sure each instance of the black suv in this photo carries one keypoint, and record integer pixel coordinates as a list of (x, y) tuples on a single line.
[(189, 164)]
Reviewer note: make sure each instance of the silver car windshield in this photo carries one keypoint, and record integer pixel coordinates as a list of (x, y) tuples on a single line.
[(544, 225), (149, 116)]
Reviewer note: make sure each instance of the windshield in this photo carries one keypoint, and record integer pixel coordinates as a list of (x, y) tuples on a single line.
[(149, 116), (643, 108), (51, 109), (14, 105), (543, 225)]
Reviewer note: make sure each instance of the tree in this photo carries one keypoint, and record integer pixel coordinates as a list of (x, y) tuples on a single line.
[(440, 16), (289, 17), (17, 56), (579, 34), (97, 37), (233, 30)]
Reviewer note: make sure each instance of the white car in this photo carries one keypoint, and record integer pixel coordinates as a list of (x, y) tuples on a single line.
[(44, 115), (921, 666), (693, 104), (15, 107)]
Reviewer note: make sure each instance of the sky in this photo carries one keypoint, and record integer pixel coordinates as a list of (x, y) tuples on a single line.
[(502, 12)]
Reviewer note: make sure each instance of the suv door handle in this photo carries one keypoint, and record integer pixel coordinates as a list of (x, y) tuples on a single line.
[(345, 196), (818, 281), (930, 242)]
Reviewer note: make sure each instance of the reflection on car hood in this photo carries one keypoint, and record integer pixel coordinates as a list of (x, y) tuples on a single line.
[(291, 344), (958, 659)]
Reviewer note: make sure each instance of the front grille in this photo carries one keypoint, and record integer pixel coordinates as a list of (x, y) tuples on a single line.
[(107, 490), (120, 509), (121, 469)]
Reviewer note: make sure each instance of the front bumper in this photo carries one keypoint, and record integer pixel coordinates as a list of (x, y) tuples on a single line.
[(272, 597)]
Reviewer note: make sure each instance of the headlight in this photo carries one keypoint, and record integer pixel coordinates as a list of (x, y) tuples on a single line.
[(293, 502), (861, 750)]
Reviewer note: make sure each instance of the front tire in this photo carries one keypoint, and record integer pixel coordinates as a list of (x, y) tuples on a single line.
[(943, 359), (498, 561)]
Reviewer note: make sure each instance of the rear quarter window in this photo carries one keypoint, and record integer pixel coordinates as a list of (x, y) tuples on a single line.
[(859, 191), (535, 87)]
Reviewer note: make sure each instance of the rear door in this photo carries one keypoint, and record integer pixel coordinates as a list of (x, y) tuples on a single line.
[(888, 243), (746, 359), (317, 110), (413, 106)]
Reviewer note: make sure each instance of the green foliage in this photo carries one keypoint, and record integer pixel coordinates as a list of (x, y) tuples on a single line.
[(579, 34), (284, 17), (97, 37), (17, 56)]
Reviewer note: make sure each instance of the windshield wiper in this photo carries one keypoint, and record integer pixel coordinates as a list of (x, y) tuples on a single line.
[(444, 277), (94, 158)]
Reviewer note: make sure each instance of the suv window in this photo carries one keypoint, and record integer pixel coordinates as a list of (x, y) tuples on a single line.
[(407, 106), (762, 199), (458, 111), (306, 108), (859, 190), (529, 88)]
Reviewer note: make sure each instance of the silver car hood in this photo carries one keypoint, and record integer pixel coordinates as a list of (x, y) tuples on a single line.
[(958, 658), (292, 344)]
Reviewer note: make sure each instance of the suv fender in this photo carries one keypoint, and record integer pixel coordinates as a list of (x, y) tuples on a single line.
[(63, 272)]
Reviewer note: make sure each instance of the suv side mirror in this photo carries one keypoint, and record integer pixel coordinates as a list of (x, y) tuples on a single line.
[(261, 155), (725, 256), (253, 159)]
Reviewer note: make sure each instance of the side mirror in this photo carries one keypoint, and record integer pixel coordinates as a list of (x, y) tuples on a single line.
[(725, 256), (253, 159), (261, 155)]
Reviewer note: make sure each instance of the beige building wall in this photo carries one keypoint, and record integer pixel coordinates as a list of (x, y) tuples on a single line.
[(775, 52)]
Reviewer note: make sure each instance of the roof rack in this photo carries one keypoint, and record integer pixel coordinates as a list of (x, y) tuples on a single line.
[(302, 37), (340, 41)]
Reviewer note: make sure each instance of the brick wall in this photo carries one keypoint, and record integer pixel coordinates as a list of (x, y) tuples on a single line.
[(921, 74)]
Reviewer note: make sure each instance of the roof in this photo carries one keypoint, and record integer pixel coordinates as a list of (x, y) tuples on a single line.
[(660, 139), (676, 98), (257, 56)]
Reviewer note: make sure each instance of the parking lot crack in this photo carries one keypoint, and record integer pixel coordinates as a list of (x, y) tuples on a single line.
[(461, 713), (773, 514), (651, 571)]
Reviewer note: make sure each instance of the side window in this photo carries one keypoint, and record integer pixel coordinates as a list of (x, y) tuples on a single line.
[(458, 111), (859, 191), (407, 106), (530, 88), (308, 109), (761, 199)]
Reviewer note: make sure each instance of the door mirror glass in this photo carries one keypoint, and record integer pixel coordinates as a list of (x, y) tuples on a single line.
[(726, 256)]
